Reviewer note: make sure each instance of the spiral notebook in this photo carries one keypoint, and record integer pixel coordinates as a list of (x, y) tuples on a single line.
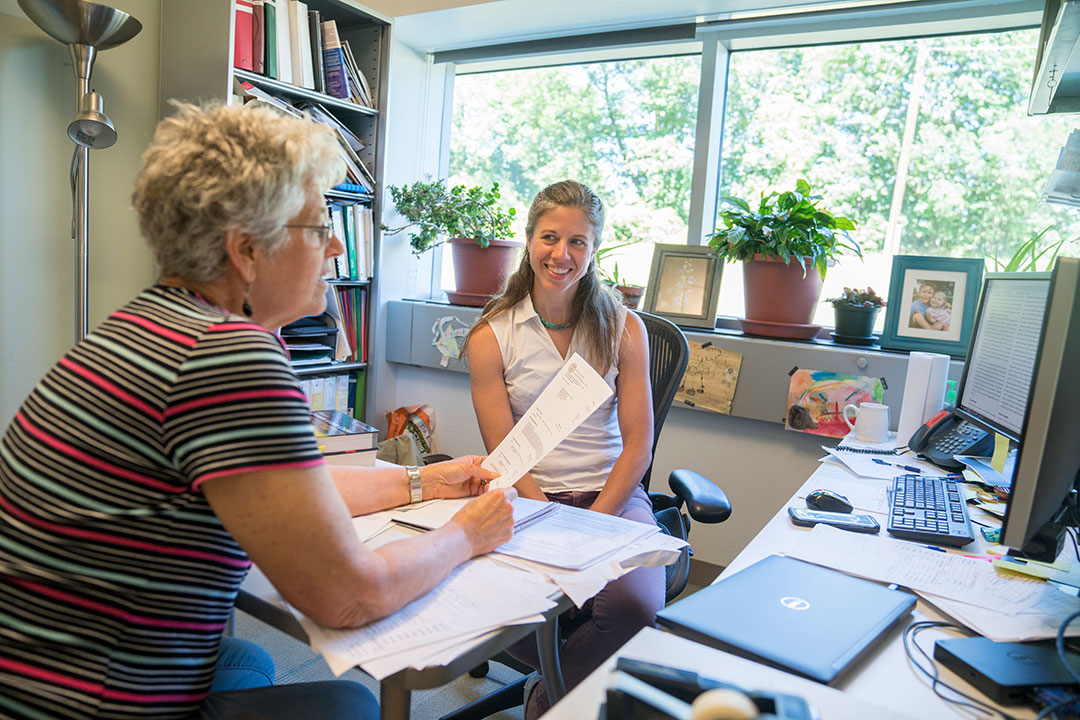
[(849, 444)]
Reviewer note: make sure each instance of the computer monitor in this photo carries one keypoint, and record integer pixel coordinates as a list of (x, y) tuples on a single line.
[(997, 375), (1048, 461)]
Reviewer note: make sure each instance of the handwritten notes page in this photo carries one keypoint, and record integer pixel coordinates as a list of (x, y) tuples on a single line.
[(571, 396), (1000, 606)]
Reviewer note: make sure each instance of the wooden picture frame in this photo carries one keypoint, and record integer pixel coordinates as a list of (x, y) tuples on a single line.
[(684, 285), (932, 303)]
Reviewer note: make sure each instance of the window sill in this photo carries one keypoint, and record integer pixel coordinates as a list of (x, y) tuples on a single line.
[(761, 392)]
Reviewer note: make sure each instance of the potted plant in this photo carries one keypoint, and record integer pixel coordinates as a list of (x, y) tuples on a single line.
[(631, 292), (856, 311), (786, 244), (472, 221)]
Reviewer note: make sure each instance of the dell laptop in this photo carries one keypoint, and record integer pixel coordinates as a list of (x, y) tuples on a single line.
[(799, 617)]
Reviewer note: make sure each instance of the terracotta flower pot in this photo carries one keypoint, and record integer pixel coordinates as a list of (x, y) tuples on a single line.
[(480, 273), (631, 295), (776, 292)]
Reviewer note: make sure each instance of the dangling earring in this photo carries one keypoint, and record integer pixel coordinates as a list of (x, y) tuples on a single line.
[(246, 307)]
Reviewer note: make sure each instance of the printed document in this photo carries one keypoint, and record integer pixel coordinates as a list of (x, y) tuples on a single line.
[(998, 605), (571, 396)]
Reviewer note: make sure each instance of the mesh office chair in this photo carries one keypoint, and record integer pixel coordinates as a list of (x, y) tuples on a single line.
[(704, 501)]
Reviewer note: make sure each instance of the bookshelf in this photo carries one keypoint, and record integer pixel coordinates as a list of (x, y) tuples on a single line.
[(197, 54)]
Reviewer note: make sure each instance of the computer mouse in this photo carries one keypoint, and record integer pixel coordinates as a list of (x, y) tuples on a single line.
[(828, 501)]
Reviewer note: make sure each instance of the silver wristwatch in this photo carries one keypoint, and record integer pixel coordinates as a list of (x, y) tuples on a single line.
[(416, 487)]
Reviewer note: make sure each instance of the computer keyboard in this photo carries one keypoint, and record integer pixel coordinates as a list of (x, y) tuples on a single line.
[(929, 509)]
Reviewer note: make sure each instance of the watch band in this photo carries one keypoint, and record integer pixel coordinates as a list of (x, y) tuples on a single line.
[(416, 487)]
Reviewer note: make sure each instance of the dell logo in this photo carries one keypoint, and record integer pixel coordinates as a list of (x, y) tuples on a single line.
[(794, 603)]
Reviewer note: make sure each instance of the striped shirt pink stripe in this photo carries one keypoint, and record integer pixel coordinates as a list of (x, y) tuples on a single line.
[(233, 397), (256, 468), (92, 461), (115, 391), (185, 340), (113, 611), (122, 541)]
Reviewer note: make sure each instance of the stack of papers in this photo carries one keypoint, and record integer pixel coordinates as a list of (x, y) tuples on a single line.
[(1005, 607), (476, 598)]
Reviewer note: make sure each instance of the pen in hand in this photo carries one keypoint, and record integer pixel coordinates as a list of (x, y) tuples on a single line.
[(909, 468)]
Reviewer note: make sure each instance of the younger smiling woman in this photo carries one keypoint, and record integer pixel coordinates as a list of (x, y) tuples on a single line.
[(553, 306)]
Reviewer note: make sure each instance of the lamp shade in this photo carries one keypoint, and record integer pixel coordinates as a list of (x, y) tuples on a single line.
[(78, 22), (92, 128)]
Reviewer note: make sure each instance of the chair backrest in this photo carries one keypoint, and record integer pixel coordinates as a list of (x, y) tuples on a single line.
[(668, 356)]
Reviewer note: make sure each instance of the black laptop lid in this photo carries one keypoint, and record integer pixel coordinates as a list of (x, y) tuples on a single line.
[(796, 616)]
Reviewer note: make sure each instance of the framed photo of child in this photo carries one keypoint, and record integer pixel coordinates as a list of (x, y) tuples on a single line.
[(932, 304)]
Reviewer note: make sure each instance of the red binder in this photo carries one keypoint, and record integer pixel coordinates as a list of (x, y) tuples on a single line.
[(242, 35)]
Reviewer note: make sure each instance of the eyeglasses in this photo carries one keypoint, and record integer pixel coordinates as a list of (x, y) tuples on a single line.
[(324, 231)]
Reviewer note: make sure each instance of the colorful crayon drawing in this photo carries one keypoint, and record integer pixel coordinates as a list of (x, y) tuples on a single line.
[(816, 400)]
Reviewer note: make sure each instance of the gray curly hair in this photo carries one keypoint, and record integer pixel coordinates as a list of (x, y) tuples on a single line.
[(213, 168)]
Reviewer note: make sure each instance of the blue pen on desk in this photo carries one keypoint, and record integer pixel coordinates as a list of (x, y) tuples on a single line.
[(909, 468)]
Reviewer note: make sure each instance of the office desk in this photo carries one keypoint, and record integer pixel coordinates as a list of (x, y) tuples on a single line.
[(257, 597), (883, 677)]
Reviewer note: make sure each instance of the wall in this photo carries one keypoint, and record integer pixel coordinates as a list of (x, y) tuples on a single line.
[(758, 464), (37, 255), (414, 111)]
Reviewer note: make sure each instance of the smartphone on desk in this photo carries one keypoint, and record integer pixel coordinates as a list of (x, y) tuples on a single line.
[(947, 434), (856, 522)]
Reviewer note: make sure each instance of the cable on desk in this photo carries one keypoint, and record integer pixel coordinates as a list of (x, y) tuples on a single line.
[(1052, 709), (1060, 642), (935, 680)]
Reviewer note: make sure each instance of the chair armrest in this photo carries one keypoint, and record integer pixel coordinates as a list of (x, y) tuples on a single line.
[(705, 502)]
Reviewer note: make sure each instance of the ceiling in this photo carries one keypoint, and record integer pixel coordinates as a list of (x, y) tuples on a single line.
[(502, 21)]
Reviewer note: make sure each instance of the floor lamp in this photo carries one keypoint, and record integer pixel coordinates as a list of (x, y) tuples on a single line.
[(86, 28)]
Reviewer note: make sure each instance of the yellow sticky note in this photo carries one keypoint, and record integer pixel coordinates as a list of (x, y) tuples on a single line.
[(1001, 451), (1030, 570)]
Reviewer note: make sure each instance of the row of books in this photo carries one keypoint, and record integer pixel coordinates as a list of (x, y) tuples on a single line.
[(284, 40), (349, 307), (355, 225), (358, 175), (330, 392), (344, 440)]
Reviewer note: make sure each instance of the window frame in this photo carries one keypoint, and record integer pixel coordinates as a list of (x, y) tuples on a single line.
[(716, 39)]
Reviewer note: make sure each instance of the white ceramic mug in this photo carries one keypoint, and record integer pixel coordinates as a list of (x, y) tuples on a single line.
[(871, 421)]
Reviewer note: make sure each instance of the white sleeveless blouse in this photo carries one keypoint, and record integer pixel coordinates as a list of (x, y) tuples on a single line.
[(530, 360)]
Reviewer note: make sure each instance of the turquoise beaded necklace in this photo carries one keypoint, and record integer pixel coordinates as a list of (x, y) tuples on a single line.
[(550, 325)]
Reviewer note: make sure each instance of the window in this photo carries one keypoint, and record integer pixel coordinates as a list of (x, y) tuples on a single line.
[(924, 143), (624, 128)]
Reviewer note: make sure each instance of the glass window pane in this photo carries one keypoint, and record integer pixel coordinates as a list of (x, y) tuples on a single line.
[(625, 128), (924, 143)]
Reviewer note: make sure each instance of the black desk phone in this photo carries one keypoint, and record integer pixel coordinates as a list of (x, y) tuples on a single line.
[(947, 434)]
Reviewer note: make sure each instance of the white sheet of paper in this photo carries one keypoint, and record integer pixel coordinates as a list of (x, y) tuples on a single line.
[(864, 495), (575, 538), (864, 465), (571, 396), (954, 577)]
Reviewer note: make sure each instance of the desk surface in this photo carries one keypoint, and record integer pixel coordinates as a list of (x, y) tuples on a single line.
[(882, 677)]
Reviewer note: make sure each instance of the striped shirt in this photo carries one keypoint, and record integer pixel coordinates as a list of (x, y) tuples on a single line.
[(116, 578)]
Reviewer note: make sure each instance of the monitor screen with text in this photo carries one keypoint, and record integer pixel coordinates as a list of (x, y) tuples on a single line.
[(997, 380)]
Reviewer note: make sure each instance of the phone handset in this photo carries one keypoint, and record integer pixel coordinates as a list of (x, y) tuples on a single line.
[(947, 434), (921, 436)]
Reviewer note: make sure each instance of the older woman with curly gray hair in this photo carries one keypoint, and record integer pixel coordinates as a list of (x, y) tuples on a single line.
[(171, 448)]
